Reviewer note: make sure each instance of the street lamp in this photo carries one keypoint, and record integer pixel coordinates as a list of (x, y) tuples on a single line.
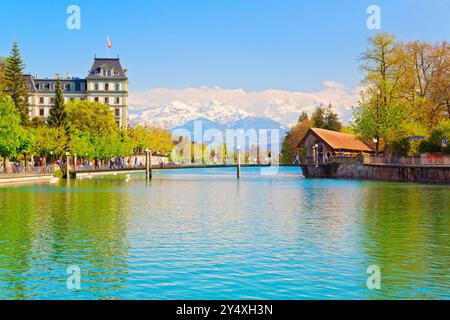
[(375, 141), (316, 154)]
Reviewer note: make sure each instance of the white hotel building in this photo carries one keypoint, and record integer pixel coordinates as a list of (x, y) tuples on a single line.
[(106, 83)]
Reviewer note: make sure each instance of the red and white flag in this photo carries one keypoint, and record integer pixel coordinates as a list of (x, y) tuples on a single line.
[(108, 43)]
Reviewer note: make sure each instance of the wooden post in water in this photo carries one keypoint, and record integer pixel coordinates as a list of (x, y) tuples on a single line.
[(148, 164), (67, 165), (238, 167)]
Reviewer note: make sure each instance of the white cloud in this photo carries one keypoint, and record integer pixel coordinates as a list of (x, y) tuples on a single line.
[(153, 105)]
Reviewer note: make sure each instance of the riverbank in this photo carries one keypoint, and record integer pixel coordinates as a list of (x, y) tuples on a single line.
[(24, 178), (357, 168)]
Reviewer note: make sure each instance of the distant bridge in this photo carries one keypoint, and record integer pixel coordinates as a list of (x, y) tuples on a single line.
[(82, 171)]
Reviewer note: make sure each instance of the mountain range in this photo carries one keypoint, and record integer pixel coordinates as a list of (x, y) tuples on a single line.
[(170, 108)]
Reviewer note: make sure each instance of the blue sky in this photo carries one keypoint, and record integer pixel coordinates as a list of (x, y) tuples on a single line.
[(249, 44)]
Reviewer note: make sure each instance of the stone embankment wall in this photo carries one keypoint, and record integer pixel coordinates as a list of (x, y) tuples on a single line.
[(355, 168)]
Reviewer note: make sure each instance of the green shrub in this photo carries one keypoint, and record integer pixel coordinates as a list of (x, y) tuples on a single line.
[(434, 142), (58, 173)]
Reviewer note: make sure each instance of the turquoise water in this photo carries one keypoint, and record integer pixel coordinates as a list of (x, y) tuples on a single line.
[(201, 234)]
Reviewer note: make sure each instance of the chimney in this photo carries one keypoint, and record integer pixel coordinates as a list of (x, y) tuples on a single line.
[(57, 75), (68, 76)]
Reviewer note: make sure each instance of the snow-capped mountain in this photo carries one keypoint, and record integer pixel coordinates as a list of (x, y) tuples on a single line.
[(178, 113), (170, 108)]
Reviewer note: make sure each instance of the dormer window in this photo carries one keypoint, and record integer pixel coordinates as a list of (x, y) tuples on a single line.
[(117, 87)]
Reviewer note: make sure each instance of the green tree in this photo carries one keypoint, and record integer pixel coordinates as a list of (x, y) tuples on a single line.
[(303, 116), (82, 145), (57, 116), (15, 84), (326, 118), (2, 73), (379, 112), (91, 117), (155, 139), (319, 116), (434, 141), (11, 132), (49, 139), (331, 119)]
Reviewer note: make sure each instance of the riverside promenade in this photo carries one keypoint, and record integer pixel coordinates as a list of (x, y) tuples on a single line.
[(26, 175)]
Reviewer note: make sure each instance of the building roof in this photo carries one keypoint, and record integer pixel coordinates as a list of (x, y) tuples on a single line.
[(338, 140), (30, 82), (109, 63)]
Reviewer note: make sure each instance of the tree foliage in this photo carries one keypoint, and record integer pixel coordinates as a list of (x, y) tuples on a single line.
[(2, 73), (57, 116), (13, 138), (290, 143), (91, 117), (326, 118), (49, 139), (15, 84), (407, 91)]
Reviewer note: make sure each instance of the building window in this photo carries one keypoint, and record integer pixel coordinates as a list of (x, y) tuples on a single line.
[(117, 112), (41, 100), (117, 87), (96, 87), (96, 99), (106, 100), (72, 99), (41, 112), (106, 86), (117, 100)]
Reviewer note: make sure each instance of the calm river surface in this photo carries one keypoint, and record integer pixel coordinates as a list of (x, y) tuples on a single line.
[(201, 234)]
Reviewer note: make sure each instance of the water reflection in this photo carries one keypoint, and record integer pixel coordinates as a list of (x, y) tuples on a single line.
[(201, 234), (405, 230), (46, 229)]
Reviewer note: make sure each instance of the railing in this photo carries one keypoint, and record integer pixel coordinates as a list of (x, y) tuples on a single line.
[(20, 170), (107, 167), (424, 160)]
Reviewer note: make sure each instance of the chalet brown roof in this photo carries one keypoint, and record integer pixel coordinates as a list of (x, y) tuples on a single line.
[(338, 140)]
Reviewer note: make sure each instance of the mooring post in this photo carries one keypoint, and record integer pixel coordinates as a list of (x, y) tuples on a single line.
[(238, 167), (67, 165), (148, 164)]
